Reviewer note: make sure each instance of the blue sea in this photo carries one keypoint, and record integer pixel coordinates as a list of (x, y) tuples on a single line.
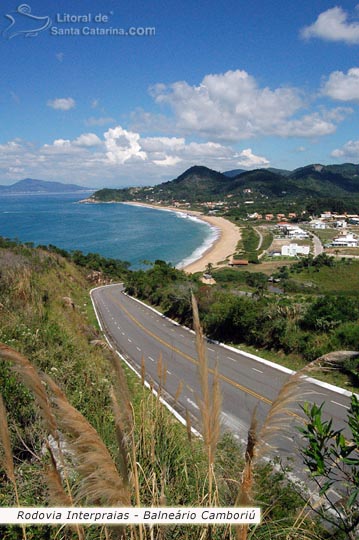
[(130, 233)]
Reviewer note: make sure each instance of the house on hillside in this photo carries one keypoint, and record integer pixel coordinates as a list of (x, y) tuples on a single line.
[(317, 224), (296, 232), (292, 231), (345, 240), (292, 250), (340, 224)]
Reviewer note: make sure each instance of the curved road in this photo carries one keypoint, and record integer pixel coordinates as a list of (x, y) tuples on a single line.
[(139, 332), (317, 245)]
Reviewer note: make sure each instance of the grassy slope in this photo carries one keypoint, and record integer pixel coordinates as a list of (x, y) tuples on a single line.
[(37, 320), (341, 279)]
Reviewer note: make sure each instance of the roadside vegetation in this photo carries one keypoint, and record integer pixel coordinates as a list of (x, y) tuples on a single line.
[(308, 319), (323, 275)]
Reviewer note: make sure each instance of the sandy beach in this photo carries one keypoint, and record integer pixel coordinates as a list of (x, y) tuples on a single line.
[(224, 246)]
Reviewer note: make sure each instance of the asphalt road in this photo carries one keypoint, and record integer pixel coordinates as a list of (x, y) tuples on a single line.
[(138, 332), (317, 245)]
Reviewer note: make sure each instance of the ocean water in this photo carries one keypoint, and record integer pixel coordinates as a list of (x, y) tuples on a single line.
[(131, 233)]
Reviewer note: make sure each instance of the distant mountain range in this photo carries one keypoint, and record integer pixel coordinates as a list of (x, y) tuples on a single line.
[(199, 184), (32, 186)]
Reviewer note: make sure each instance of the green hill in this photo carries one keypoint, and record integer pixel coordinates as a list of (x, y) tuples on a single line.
[(328, 180), (199, 184)]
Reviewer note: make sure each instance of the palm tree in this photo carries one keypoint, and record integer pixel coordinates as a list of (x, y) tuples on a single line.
[(209, 269)]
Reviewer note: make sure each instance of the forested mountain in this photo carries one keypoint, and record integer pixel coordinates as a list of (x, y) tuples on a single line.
[(199, 184), (234, 172)]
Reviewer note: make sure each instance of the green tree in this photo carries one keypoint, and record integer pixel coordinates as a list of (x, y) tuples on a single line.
[(333, 463), (328, 312), (209, 268)]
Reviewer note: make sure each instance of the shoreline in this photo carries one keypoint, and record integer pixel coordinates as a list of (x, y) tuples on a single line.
[(223, 246)]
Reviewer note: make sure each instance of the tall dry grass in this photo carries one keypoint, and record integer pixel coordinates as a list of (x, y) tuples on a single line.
[(283, 412), (100, 482), (6, 457), (209, 404), (32, 380), (79, 448), (139, 473)]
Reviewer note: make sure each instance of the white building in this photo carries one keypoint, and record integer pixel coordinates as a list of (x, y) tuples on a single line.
[(345, 240), (340, 224), (318, 224), (292, 250), (296, 232)]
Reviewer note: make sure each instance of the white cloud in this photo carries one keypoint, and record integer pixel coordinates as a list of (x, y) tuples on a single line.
[(162, 144), (10, 147), (119, 157), (208, 150), (61, 143), (231, 107), (59, 146), (333, 25), (16, 170), (343, 86), (123, 145), (249, 160), (170, 151), (61, 160), (309, 125), (167, 161), (61, 104), (349, 151), (87, 140)]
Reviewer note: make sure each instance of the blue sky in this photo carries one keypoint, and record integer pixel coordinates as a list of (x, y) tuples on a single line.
[(234, 85)]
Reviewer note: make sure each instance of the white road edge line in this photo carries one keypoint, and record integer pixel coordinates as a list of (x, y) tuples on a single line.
[(148, 386), (193, 404), (255, 369), (163, 401), (340, 404), (278, 367)]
